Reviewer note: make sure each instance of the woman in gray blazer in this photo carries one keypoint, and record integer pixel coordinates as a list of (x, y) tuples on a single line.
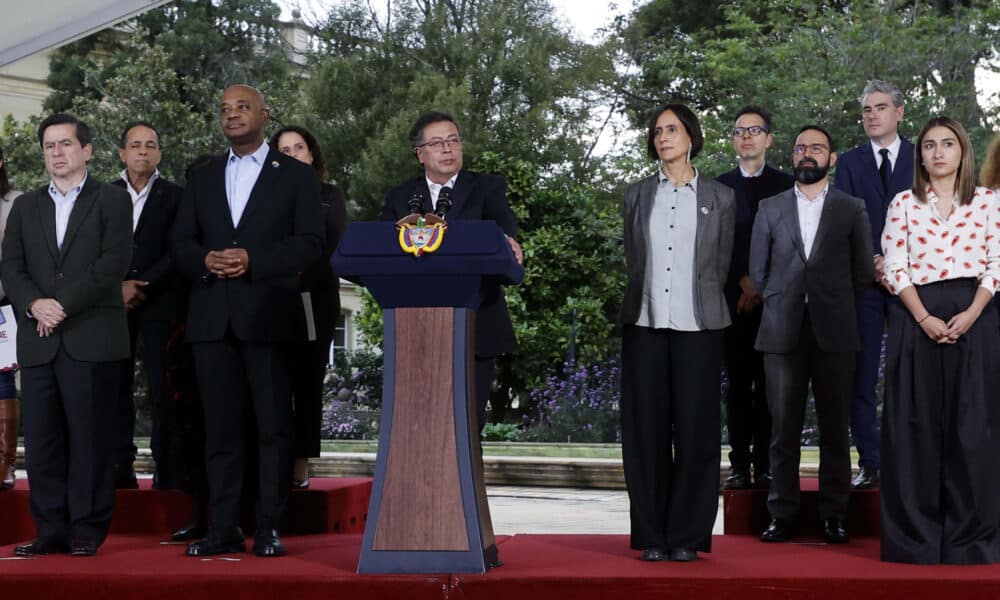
[(678, 235)]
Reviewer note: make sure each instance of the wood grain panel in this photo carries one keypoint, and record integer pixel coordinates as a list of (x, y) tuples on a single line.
[(421, 505)]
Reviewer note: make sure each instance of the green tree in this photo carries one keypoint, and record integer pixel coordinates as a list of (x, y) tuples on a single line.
[(808, 61)]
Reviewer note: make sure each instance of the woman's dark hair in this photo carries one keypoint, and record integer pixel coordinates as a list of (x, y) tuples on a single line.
[(4, 179), (965, 179), (318, 164), (687, 119)]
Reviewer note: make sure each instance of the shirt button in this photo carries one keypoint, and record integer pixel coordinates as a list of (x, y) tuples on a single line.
[(235, 245), (670, 247), (59, 275), (666, 290)]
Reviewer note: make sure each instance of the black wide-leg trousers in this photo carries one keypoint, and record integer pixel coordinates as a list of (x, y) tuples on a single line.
[(670, 435), (940, 491)]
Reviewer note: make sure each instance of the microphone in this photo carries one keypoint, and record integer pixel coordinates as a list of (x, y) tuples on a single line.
[(444, 202), (416, 204)]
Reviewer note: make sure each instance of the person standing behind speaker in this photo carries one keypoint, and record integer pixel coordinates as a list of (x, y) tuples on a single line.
[(309, 359), (66, 248), (8, 390), (941, 419), (437, 143), (747, 418), (149, 293), (678, 238)]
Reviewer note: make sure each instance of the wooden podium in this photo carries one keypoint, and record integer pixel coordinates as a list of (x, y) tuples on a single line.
[(428, 511)]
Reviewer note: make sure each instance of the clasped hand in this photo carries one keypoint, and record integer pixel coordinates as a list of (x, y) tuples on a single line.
[(948, 333), (48, 313), (228, 263)]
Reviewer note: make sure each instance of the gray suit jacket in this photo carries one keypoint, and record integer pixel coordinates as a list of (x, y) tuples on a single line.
[(838, 271), (716, 221), (84, 275)]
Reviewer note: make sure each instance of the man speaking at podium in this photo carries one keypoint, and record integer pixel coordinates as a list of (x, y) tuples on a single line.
[(449, 190)]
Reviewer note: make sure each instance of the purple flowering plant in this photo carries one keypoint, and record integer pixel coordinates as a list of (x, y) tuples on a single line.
[(578, 404)]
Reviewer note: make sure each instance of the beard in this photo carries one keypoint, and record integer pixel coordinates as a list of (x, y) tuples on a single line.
[(808, 171)]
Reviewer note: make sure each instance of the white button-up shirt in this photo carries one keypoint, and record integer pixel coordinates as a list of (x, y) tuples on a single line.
[(241, 176), (435, 188), (893, 149), (64, 206), (810, 212), (139, 198)]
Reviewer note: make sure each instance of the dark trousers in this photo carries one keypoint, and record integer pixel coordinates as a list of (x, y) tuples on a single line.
[(788, 378), (484, 386), (67, 447), (941, 436), (308, 362), (244, 384), (670, 435), (747, 416), (872, 310), (153, 336)]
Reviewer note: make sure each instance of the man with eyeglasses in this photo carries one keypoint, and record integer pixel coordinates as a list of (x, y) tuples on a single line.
[(810, 256), (875, 171), (747, 418), (437, 143)]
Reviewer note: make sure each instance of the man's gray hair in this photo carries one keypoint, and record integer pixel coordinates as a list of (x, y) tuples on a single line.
[(884, 87)]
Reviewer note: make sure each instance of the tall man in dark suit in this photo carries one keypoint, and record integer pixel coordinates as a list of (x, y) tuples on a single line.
[(149, 293), (249, 223), (810, 256), (747, 418), (437, 144), (875, 171), (66, 248)]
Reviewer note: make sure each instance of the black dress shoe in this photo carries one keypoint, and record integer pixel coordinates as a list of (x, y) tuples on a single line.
[(778, 530), (302, 484), (738, 479), (216, 543), (683, 555), (41, 546), (82, 547), (653, 555), (867, 478), (762, 480), (189, 533), (834, 532), (267, 543)]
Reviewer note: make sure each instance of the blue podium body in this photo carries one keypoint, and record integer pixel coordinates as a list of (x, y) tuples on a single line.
[(428, 511)]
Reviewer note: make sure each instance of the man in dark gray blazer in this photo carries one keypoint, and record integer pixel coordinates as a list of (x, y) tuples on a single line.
[(66, 248), (810, 255)]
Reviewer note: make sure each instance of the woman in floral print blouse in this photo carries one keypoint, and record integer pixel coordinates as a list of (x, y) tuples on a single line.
[(940, 430)]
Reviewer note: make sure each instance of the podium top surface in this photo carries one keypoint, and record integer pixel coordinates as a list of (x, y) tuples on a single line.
[(468, 248)]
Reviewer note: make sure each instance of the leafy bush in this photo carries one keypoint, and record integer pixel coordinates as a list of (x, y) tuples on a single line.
[(353, 396), (501, 432), (580, 404)]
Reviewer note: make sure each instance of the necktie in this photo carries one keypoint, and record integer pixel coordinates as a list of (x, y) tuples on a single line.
[(885, 169)]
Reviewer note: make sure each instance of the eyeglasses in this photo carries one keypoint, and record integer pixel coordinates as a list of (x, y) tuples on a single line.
[(810, 148), (438, 145), (753, 130)]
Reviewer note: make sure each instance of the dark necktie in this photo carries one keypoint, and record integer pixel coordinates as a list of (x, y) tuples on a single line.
[(885, 169)]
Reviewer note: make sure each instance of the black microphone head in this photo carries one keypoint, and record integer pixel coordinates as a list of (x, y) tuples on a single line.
[(444, 202), (416, 204)]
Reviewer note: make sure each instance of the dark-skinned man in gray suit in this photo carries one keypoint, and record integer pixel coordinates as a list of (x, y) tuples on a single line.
[(810, 255), (66, 248)]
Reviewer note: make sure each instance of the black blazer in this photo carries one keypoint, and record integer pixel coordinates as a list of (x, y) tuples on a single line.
[(319, 279), (714, 239), (748, 191), (476, 196), (282, 231), (84, 275), (838, 271), (151, 259)]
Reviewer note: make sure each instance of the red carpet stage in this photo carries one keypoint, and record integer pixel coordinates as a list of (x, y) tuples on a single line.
[(331, 505), (577, 567)]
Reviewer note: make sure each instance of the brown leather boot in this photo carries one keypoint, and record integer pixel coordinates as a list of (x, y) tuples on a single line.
[(8, 442)]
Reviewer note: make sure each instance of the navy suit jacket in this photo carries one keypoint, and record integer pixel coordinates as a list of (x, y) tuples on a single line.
[(282, 231), (476, 196), (857, 175), (748, 194)]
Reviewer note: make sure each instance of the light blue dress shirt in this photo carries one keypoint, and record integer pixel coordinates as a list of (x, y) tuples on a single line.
[(668, 297), (64, 206), (241, 176)]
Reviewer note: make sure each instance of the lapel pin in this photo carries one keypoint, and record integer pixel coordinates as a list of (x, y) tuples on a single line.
[(275, 164), (704, 210)]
